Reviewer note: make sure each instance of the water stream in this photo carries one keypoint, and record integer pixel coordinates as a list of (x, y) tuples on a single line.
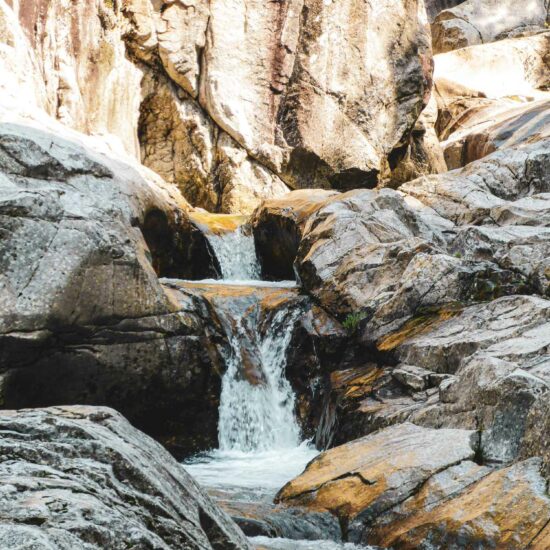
[(260, 444)]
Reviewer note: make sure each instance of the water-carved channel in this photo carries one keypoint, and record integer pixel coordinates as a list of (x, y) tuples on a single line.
[(261, 446)]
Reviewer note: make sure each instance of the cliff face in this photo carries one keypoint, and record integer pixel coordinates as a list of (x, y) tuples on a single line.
[(236, 101)]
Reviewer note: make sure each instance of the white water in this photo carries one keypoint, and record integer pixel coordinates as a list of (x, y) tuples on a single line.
[(236, 254), (257, 418), (287, 544), (261, 447)]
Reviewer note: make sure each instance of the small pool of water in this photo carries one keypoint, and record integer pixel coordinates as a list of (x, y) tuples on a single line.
[(249, 477), (264, 543)]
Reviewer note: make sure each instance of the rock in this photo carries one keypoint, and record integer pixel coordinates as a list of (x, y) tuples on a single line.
[(278, 521), (83, 477), (479, 134), (357, 245), (498, 355), (491, 326), (415, 378), (378, 257), (278, 226), (513, 67), (182, 144), (425, 154), (483, 21), (523, 249), (91, 85), (359, 480), (301, 83), (491, 188), (433, 7), (102, 330), (508, 508)]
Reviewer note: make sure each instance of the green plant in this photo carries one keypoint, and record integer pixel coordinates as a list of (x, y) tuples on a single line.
[(351, 322), (458, 255)]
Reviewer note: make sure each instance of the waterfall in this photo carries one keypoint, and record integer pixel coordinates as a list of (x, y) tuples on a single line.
[(236, 254), (259, 417)]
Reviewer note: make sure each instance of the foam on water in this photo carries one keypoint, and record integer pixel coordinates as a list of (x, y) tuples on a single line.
[(288, 544), (236, 254)]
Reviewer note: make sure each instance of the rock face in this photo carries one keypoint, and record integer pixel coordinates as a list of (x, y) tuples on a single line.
[(81, 478), (483, 21), (372, 474), (278, 226), (236, 116), (409, 487), (477, 515), (479, 132)]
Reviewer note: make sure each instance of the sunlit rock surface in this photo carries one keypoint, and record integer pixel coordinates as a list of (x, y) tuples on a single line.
[(483, 21), (82, 477), (237, 101)]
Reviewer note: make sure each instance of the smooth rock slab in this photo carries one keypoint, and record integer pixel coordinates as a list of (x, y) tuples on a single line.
[(508, 509), (371, 474), (77, 478)]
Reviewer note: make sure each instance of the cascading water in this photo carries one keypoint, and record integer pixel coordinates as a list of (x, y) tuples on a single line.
[(259, 417), (236, 254), (260, 444)]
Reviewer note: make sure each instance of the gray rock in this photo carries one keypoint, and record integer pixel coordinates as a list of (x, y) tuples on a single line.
[(83, 478), (482, 21), (415, 378)]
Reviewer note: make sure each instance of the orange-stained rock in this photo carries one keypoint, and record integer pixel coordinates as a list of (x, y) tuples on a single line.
[(278, 225), (507, 509), (376, 472)]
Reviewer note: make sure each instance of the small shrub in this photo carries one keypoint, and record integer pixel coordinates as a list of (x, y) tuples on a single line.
[(458, 255), (351, 322)]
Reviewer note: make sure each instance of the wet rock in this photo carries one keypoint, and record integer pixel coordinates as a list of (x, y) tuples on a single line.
[(277, 521), (482, 21), (278, 226), (83, 477), (508, 508), (359, 480), (102, 330)]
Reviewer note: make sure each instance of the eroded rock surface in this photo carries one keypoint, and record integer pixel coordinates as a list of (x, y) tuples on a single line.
[(235, 102), (83, 478), (482, 21), (369, 475)]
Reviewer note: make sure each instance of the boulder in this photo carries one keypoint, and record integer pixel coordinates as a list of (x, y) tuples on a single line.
[(375, 258), (509, 186), (82, 477), (359, 480), (468, 506), (246, 110), (280, 94), (278, 225), (479, 132), (483, 21), (512, 67)]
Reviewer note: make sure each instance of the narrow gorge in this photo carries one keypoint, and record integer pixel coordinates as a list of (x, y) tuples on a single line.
[(274, 275)]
